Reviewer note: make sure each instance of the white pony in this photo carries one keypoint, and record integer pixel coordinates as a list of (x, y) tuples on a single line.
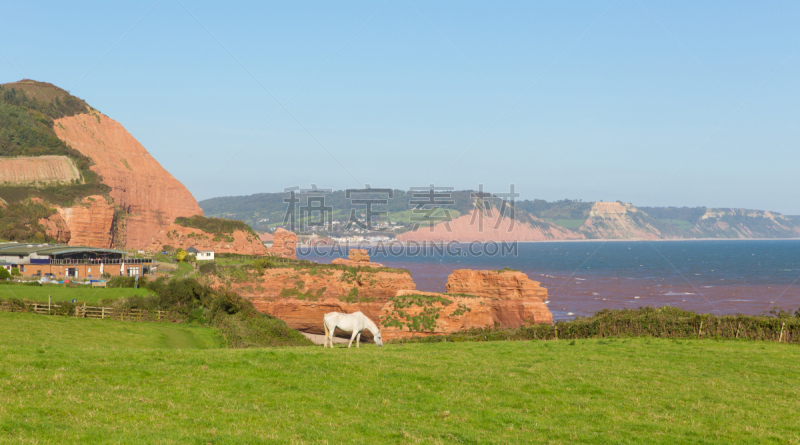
[(355, 323)]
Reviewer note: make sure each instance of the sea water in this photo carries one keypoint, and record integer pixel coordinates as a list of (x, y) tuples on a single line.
[(718, 277)]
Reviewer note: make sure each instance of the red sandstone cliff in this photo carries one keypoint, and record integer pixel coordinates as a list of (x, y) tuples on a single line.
[(87, 223), (284, 244), (149, 195), (301, 298), (185, 237)]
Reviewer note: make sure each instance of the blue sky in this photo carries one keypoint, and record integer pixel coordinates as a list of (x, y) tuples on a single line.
[(655, 103)]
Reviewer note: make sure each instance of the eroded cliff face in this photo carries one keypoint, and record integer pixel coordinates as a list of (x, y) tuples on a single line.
[(389, 297), (614, 220), (482, 226), (87, 223), (176, 235), (149, 195)]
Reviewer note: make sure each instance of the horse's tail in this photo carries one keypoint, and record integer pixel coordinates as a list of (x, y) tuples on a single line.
[(327, 333)]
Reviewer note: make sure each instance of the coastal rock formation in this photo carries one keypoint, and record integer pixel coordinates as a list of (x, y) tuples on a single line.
[(182, 237), (484, 226), (38, 170), (496, 284), (358, 255), (474, 299), (301, 297), (149, 195), (266, 237), (356, 258), (284, 244)]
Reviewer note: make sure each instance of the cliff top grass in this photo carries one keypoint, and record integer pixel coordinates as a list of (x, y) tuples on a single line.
[(91, 381)]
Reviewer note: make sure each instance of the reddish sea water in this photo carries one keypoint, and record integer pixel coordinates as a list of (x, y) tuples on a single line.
[(719, 277)]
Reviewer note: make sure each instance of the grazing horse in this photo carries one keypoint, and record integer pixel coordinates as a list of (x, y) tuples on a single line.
[(355, 323)]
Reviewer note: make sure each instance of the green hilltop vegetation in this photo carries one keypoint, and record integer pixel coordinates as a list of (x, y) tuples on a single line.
[(68, 380), (265, 211), (221, 228), (27, 113)]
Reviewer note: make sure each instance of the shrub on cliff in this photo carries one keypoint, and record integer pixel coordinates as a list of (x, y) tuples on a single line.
[(237, 320), (220, 227)]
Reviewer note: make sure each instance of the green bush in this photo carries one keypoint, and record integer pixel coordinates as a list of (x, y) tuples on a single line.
[(4, 274), (208, 268), (235, 317), (15, 272), (665, 322)]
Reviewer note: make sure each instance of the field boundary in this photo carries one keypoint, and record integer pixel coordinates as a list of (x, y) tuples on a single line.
[(97, 312)]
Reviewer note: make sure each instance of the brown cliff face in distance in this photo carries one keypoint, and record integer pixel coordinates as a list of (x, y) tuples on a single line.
[(284, 244), (479, 226), (150, 196), (185, 237)]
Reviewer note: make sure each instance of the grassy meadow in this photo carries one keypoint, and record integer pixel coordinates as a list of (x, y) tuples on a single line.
[(65, 380), (61, 292)]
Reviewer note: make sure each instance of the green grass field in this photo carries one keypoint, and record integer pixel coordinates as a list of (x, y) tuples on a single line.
[(84, 294), (67, 380), (566, 223)]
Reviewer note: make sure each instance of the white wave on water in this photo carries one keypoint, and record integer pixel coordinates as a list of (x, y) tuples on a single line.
[(581, 279), (636, 298), (672, 294), (570, 313), (546, 301), (706, 287), (595, 293)]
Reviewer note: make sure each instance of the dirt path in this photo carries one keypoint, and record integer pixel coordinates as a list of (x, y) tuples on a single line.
[(320, 339)]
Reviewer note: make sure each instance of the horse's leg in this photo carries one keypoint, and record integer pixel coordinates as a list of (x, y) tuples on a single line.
[(352, 337), (358, 340), (325, 345)]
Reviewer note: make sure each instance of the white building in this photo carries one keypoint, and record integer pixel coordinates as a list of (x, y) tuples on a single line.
[(201, 255)]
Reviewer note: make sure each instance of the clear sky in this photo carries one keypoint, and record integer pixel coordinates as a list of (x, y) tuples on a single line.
[(654, 103)]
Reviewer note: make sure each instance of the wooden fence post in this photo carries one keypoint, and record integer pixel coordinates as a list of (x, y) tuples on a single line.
[(783, 326)]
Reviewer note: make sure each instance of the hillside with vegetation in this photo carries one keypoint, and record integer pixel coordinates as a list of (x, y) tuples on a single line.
[(582, 219), (63, 163), (28, 110)]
